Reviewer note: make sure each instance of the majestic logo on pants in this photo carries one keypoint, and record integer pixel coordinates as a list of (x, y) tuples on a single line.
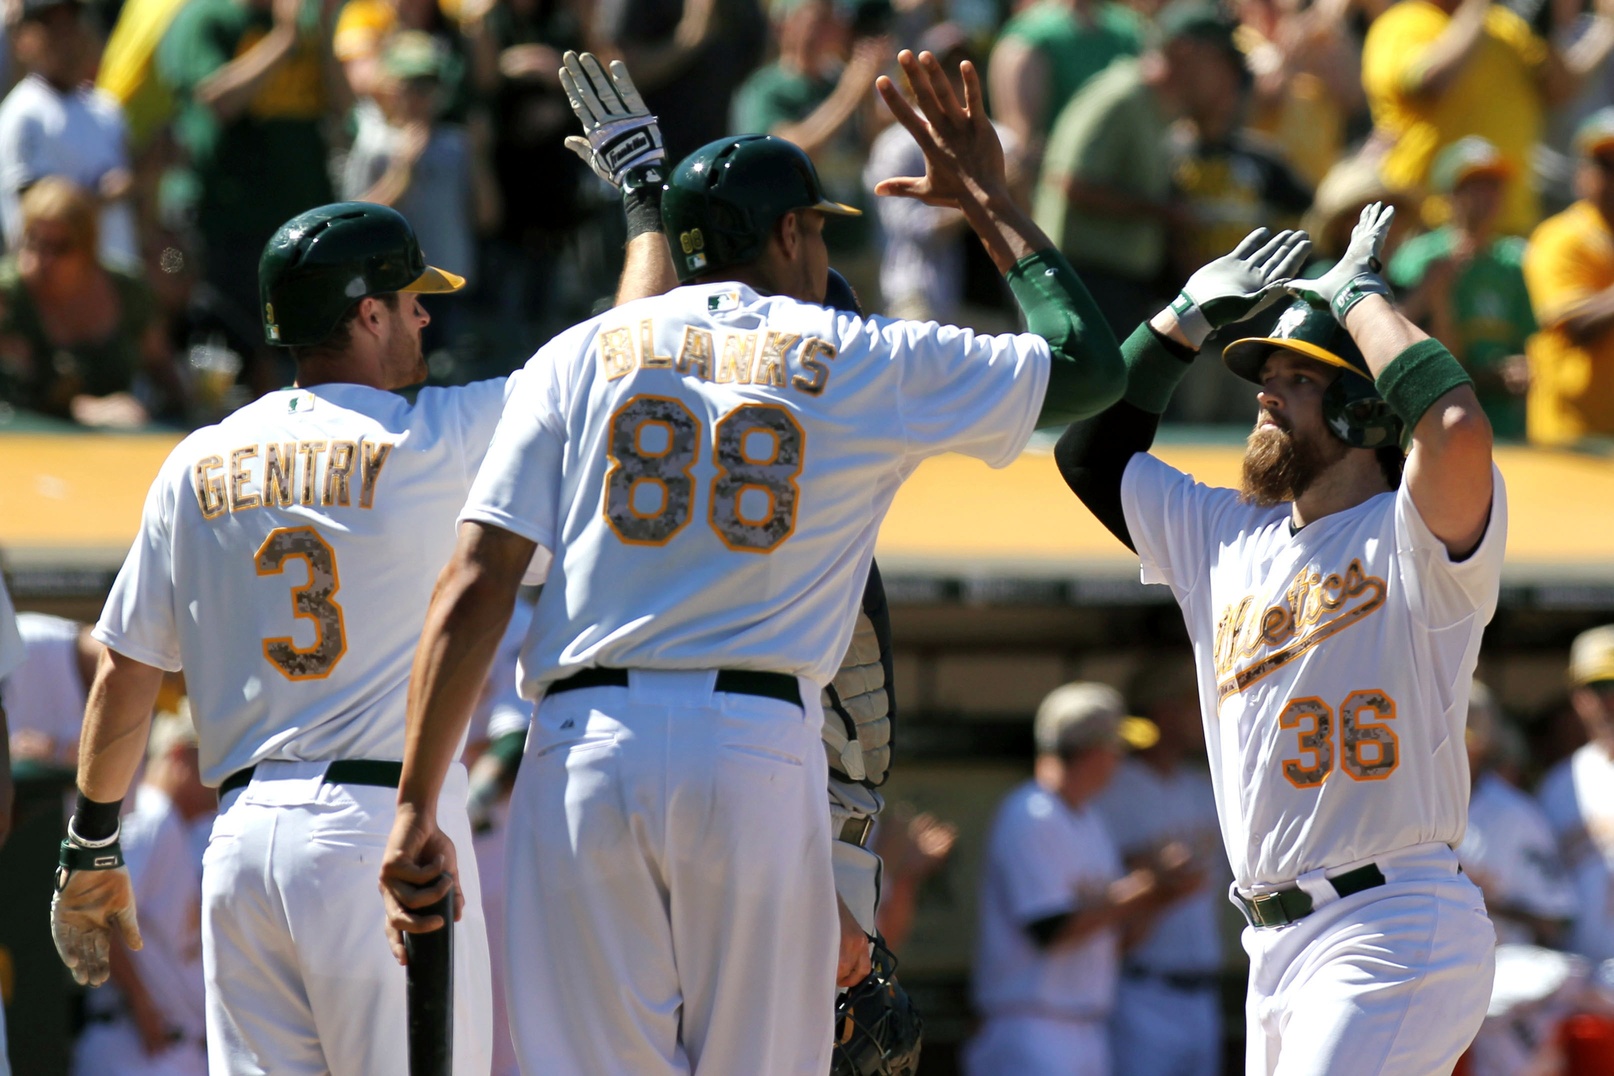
[(1314, 607)]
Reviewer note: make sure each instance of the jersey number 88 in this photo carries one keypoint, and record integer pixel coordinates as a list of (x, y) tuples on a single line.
[(655, 441)]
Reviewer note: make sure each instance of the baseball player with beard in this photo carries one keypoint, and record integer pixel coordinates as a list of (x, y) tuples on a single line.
[(709, 468), (1336, 604)]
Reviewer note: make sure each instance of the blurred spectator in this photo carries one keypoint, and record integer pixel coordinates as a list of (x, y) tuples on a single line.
[(128, 70), (922, 266), (1307, 81), (1509, 850), (1056, 903), (1229, 183), (809, 97), (1168, 1007), (468, 62), (1104, 194), (1349, 187), (149, 1019), (1578, 795), (1438, 70), (429, 171), (76, 334), (1464, 284), (54, 123), (44, 697), (1569, 267), (255, 80), (912, 848), (687, 57), (1046, 52)]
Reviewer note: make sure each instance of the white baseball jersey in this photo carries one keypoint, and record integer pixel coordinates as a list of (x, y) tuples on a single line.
[(46, 693), (1044, 859), (1144, 809), (1510, 852), (1334, 666), (1578, 798), (12, 651), (238, 572), (710, 467)]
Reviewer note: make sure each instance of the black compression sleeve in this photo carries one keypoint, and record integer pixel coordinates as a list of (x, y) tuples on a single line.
[(1093, 455)]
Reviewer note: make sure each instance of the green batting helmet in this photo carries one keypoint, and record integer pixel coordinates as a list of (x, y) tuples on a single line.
[(1352, 407), (722, 201), (323, 261)]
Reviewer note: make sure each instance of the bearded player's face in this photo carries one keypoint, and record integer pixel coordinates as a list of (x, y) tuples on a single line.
[(404, 359), (1290, 445)]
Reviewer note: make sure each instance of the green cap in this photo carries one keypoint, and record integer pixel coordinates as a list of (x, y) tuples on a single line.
[(1464, 159), (1198, 20), (1595, 133), (413, 54)]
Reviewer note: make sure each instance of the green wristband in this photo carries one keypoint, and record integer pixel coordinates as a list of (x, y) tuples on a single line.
[(76, 857), (1417, 377), (1154, 368)]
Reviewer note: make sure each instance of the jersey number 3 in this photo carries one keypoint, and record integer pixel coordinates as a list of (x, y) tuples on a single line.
[(1369, 748), (314, 601), (650, 494)]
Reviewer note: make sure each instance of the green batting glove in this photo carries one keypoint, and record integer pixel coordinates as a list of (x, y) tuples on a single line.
[(1237, 285), (1356, 276)]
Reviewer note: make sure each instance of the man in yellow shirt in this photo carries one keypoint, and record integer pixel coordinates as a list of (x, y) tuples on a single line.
[(1569, 269), (1440, 70)]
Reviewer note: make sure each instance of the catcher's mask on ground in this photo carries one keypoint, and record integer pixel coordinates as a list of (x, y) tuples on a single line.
[(877, 1029), (720, 204), (1353, 410), (321, 262)]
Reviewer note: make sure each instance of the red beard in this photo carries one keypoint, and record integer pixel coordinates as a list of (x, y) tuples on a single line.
[(1278, 467)]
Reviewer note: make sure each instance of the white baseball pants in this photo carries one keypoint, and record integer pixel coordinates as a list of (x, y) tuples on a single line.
[(1392, 981), (300, 979), (670, 905)]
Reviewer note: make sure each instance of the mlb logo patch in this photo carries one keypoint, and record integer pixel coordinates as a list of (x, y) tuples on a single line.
[(300, 402), (722, 301), (695, 261)]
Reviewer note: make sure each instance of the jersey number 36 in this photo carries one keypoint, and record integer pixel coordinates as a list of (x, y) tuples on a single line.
[(1370, 748), (650, 493)]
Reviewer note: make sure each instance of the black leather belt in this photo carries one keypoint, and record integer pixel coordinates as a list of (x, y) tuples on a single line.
[(856, 830), (344, 771), (1283, 906), (769, 685), (1186, 981)]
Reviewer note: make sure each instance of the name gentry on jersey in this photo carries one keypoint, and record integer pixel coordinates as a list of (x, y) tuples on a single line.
[(736, 360), (290, 473)]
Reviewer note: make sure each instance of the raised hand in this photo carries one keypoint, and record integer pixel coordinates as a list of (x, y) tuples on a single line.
[(963, 157), (1356, 276), (1238, 285), (623, 140)]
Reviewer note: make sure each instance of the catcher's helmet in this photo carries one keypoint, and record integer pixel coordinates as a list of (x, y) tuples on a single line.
[(721, 202), (1352, 407), (877, 1029), (323, 261)]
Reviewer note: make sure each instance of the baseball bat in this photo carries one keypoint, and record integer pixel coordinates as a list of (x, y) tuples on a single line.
[(430, 978)]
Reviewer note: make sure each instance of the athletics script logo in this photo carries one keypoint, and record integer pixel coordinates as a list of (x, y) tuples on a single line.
[(1314, 607)]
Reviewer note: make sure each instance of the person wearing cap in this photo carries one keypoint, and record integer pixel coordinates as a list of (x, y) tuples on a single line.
[(1105, 190), (1436, 71), (55, 123), (1569, 269), (1464, 283), (1578, 795), (149, 1021), (1167, 1018), (1335, 603), (1509, 848), (1057, 905)]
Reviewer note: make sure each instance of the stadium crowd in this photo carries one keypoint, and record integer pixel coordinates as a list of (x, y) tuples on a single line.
[(148, 148)]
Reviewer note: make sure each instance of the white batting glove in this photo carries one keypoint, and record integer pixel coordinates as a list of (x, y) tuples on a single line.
[(623, 144), (1356, 275), (1237, 286), (94, 894)]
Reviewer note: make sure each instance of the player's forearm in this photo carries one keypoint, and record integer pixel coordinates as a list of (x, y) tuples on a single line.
[(471, 605), (1086, 373), (648, 268), (116, 719)]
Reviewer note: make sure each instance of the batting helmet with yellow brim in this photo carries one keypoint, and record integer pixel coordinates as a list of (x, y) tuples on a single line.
[(1352, 407)]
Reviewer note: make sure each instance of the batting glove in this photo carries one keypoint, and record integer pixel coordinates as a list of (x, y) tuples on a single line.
[(1356, 276), (93, 895), (623, 143), (1238, 285)]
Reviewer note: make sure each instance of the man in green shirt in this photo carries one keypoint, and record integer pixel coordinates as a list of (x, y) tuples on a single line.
[(1049, 51), (1105, 192), (255, 78), (1464, 284)]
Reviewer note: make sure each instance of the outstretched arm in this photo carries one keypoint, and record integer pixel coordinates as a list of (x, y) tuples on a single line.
[(965, 170), (1448, 472)]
